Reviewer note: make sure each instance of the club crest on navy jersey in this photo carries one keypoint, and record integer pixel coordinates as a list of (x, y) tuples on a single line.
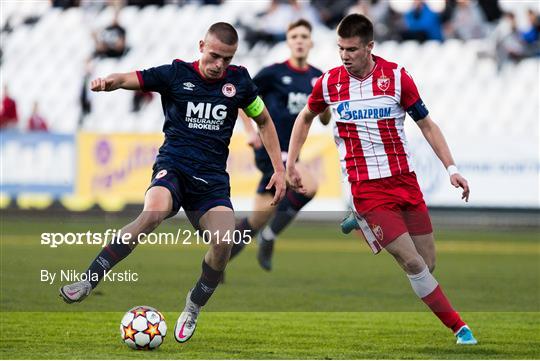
[(229, 90)]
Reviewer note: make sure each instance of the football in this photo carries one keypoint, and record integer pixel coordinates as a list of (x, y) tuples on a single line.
[(143, 328)]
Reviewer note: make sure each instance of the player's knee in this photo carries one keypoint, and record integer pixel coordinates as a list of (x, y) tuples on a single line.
[(311, 192), (310, 188), (430, 262), (221, 252), (158, 200), (256, 222), (297, 201), (413, 265), (150, 220), (224, 246)]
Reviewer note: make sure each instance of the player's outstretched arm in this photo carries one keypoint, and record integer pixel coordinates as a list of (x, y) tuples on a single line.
[(115, 81), (253, 137), (271, 143), (435, 138), (298, 138)]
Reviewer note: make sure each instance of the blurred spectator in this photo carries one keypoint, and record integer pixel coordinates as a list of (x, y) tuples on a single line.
[(531, 34), (143, 3), (8, 27), (64, 4), (332, 11), (141, 99), (94, 6), (448, 11), (379, 12), (85, 95), (421, 23), (36, 123), (492, 10), (272, 23), (466, 21), (111, 41), (509, 45), (8, 111)]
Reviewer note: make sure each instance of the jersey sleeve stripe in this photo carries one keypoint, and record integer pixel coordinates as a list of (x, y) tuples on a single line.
[(334, 85), (409, 92), (344, 82), (326, 96), (140, 78), (317, 101)]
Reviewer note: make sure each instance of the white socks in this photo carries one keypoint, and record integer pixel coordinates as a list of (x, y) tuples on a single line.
[(267, 234), (423, 283)]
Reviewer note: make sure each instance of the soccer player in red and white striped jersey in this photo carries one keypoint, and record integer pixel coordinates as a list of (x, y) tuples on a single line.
[(369, 97)]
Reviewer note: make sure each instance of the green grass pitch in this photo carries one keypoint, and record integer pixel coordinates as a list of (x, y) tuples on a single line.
[(328, 297)]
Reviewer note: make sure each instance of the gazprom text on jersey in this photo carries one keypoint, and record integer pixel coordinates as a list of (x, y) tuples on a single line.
[(367, 113)]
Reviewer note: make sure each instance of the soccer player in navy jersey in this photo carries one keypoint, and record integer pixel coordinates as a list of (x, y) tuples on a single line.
[(200, 102), (284, 88)]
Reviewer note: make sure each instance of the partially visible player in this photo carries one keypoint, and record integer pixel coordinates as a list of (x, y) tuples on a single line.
[(200, 101), (284, 87), (370, 97)]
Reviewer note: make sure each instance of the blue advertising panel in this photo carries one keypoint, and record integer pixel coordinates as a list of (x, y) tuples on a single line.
[(37, 163)]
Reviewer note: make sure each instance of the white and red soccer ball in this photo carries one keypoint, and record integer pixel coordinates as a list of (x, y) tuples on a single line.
[(143, 328)]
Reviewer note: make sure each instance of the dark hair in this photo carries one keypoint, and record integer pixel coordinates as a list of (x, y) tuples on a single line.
[(356, 25), (300, 22), (225, 33)]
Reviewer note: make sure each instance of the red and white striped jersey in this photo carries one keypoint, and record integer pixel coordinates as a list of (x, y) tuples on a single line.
[(368, 116)]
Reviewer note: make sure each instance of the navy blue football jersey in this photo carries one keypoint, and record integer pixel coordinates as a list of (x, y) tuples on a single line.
[(284, 90), (199, 114)]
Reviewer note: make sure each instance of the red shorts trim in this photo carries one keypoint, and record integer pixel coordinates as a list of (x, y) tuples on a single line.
[(388, 207)]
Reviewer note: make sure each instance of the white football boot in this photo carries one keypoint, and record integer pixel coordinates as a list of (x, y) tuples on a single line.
[(186, 323), (75, 292)]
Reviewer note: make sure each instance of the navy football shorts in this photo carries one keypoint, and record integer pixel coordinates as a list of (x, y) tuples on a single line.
[(264, 164), (195, 193)]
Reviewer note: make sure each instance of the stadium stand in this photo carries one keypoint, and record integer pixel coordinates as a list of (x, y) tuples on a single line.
[(44, 62)]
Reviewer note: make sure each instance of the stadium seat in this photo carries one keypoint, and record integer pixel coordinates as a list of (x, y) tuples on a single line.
[(157, 35)]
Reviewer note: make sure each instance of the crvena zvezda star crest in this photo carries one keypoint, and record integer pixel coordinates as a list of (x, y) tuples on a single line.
[(383, 82)]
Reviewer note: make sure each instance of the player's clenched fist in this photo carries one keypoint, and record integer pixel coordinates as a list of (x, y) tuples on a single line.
[(102, 84)]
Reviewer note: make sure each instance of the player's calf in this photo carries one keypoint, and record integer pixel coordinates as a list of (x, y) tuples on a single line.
[(206, 285), (109, 256), (195, 300), (243, 233), (286, 211), (425, 245), (266, 249), (423, 283)]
